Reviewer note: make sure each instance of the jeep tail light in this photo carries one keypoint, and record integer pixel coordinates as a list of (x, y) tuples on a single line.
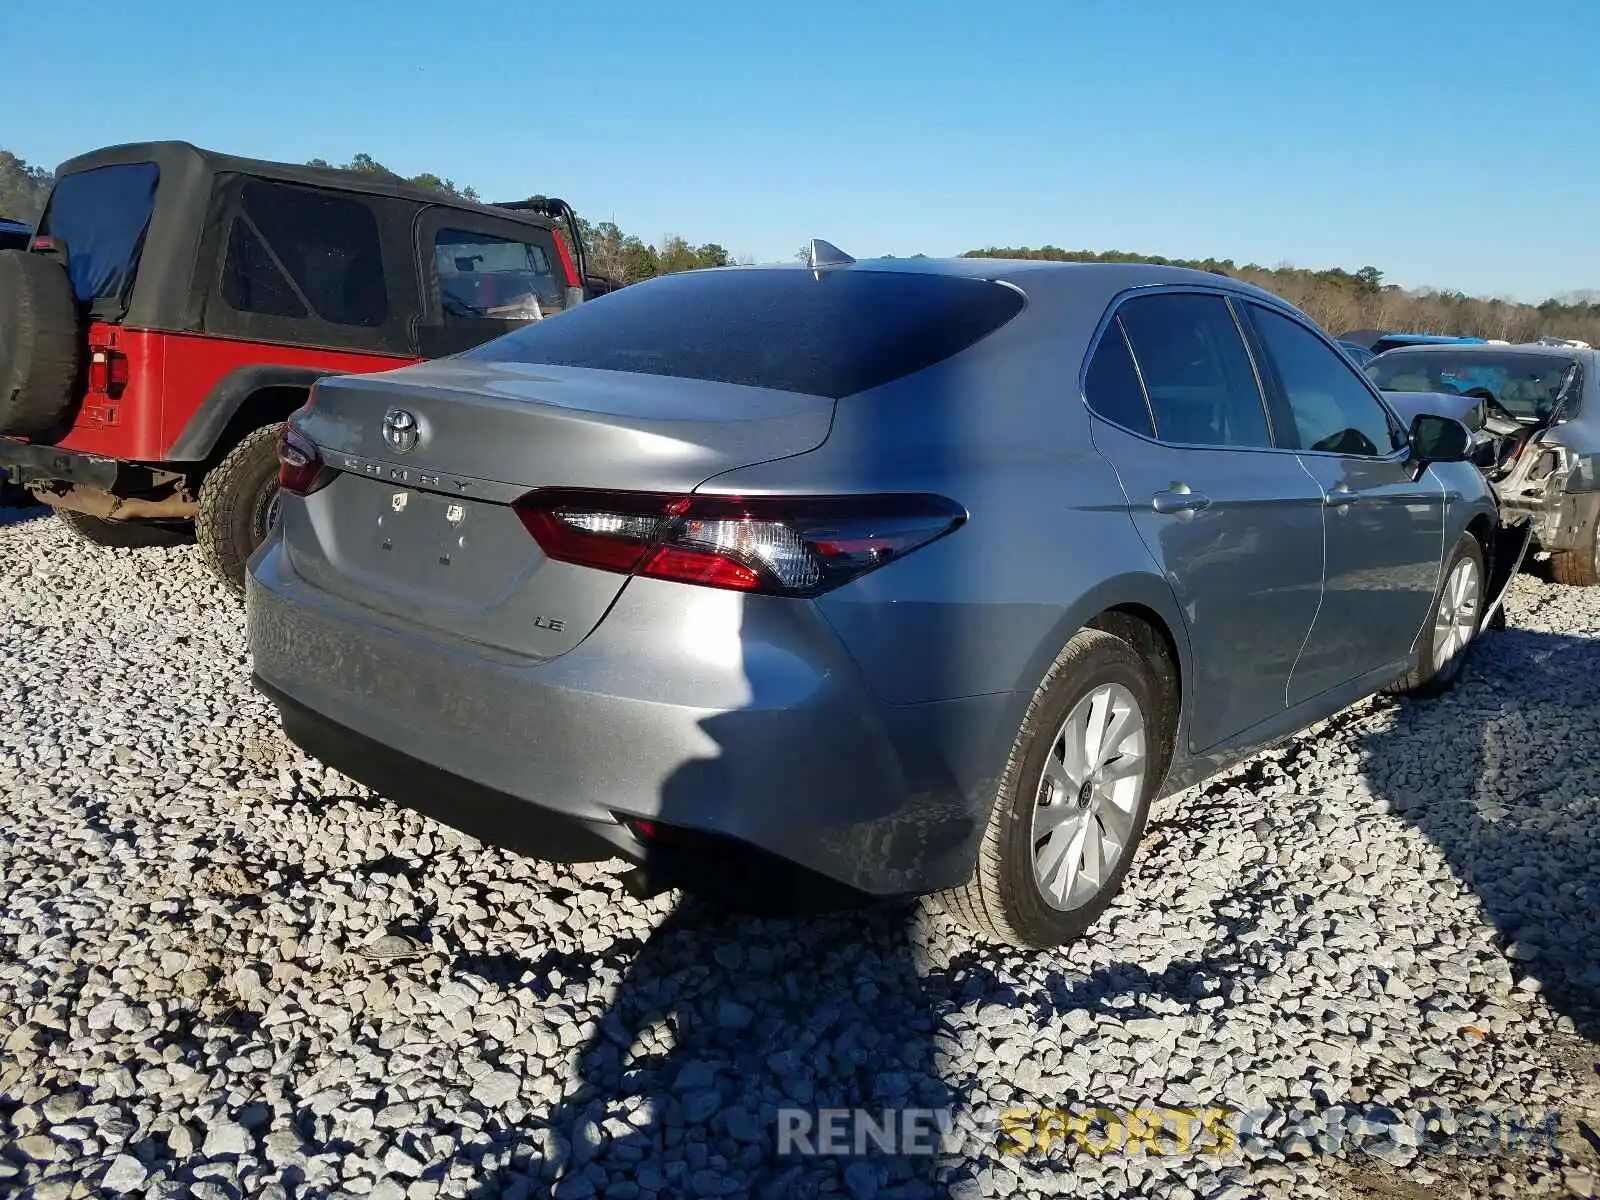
[(108, 372), (565, 256), (779, 545), (301, 470)]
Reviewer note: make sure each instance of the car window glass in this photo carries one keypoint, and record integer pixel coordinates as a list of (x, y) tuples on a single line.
[(1332, 409), (482, 276), (327, 245), (1111, 385), (251, 281), (1525, 384), (1196, 370), (783, 328)]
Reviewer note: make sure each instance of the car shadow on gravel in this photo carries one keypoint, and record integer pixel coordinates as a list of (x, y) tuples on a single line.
[(729, 1033), (1501, 775)]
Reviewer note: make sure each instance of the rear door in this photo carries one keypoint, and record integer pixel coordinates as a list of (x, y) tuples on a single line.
[(1235, 524), (482, 277), (1385, 527)]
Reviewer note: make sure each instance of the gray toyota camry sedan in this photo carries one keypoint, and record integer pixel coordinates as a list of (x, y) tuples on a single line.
[(868, 579)]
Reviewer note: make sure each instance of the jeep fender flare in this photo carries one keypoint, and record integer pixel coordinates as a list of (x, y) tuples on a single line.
[(203, 434)]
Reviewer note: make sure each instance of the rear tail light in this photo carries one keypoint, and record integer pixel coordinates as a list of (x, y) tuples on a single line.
[(565, 256), (654, 833), (780, 545), (108, 372), (301, 470)]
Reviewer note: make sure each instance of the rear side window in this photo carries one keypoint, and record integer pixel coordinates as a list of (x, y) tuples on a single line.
[(482, 276), (1196, 371), (102, 216), (292, 248), (1112, 383), (787, 329), (252, 280)]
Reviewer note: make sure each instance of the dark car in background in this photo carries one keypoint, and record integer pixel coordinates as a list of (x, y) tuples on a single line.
[(1359, 354), (1537, 411)]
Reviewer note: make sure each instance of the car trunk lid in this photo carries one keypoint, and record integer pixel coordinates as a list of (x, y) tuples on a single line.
[(418, 522)]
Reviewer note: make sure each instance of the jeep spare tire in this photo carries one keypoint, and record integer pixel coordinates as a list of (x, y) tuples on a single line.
[(39, 353)]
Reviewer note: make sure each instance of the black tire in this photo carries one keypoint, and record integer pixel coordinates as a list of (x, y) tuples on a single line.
[(236, 502), (99, 531), (40, 346), (1580, 568), (1003, 899), (1425, 679)]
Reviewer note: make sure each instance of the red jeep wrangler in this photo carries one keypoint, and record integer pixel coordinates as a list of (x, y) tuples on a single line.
[(175, 305)]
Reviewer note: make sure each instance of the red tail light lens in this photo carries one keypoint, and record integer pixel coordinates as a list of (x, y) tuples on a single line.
[(108, 372), (565, 256), (781, 545), (301, 470)]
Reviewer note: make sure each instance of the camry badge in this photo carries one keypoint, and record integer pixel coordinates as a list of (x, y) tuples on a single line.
[(400, 430)]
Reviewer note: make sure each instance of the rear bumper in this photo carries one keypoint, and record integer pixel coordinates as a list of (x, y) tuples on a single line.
[(1563, 522), (27, 462), (734, 717)]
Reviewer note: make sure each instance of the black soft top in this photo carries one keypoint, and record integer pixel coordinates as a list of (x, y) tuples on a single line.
[(196, 196), (183, 160)]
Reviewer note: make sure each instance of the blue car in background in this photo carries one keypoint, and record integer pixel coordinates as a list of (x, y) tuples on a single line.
[(1390, 341), (1376, 341)]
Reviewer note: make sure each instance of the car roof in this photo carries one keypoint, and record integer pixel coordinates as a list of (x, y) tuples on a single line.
[(176, 155), (1027, 272), (1486, 349)]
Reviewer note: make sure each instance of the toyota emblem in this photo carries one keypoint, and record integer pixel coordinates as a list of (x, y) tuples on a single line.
[(400, 430)]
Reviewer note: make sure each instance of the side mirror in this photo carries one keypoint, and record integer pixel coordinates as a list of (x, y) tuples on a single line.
[(1439, 440)]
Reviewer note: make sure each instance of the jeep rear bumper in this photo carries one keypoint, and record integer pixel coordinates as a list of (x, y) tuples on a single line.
[(28, 463)]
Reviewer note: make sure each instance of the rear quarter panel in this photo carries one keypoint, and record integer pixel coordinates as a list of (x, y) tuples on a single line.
[(1048, 543), (172, 376)]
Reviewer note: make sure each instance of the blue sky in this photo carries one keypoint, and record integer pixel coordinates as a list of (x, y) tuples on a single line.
[(1450, 144)]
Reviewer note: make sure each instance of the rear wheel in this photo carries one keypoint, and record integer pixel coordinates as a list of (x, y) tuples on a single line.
[(1073, 800), (1452, 626), (1580, 567), (238, 505), (99, 531)]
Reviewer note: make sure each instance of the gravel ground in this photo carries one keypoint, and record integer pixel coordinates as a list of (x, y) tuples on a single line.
[(227, 971)]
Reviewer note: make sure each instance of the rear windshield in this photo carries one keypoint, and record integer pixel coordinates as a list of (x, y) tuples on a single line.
[(102, 215), (771, 328), (1524, 384)]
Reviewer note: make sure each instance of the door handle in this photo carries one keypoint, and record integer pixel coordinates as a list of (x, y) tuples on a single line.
[(1342, 496), (1179, 498)]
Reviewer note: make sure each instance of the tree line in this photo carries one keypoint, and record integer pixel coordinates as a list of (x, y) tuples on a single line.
[(1341, 301), (1337, 299)]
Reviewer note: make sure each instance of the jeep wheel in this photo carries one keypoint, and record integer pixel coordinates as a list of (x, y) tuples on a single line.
[(99, 531), (238, 502), (39, 350)]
